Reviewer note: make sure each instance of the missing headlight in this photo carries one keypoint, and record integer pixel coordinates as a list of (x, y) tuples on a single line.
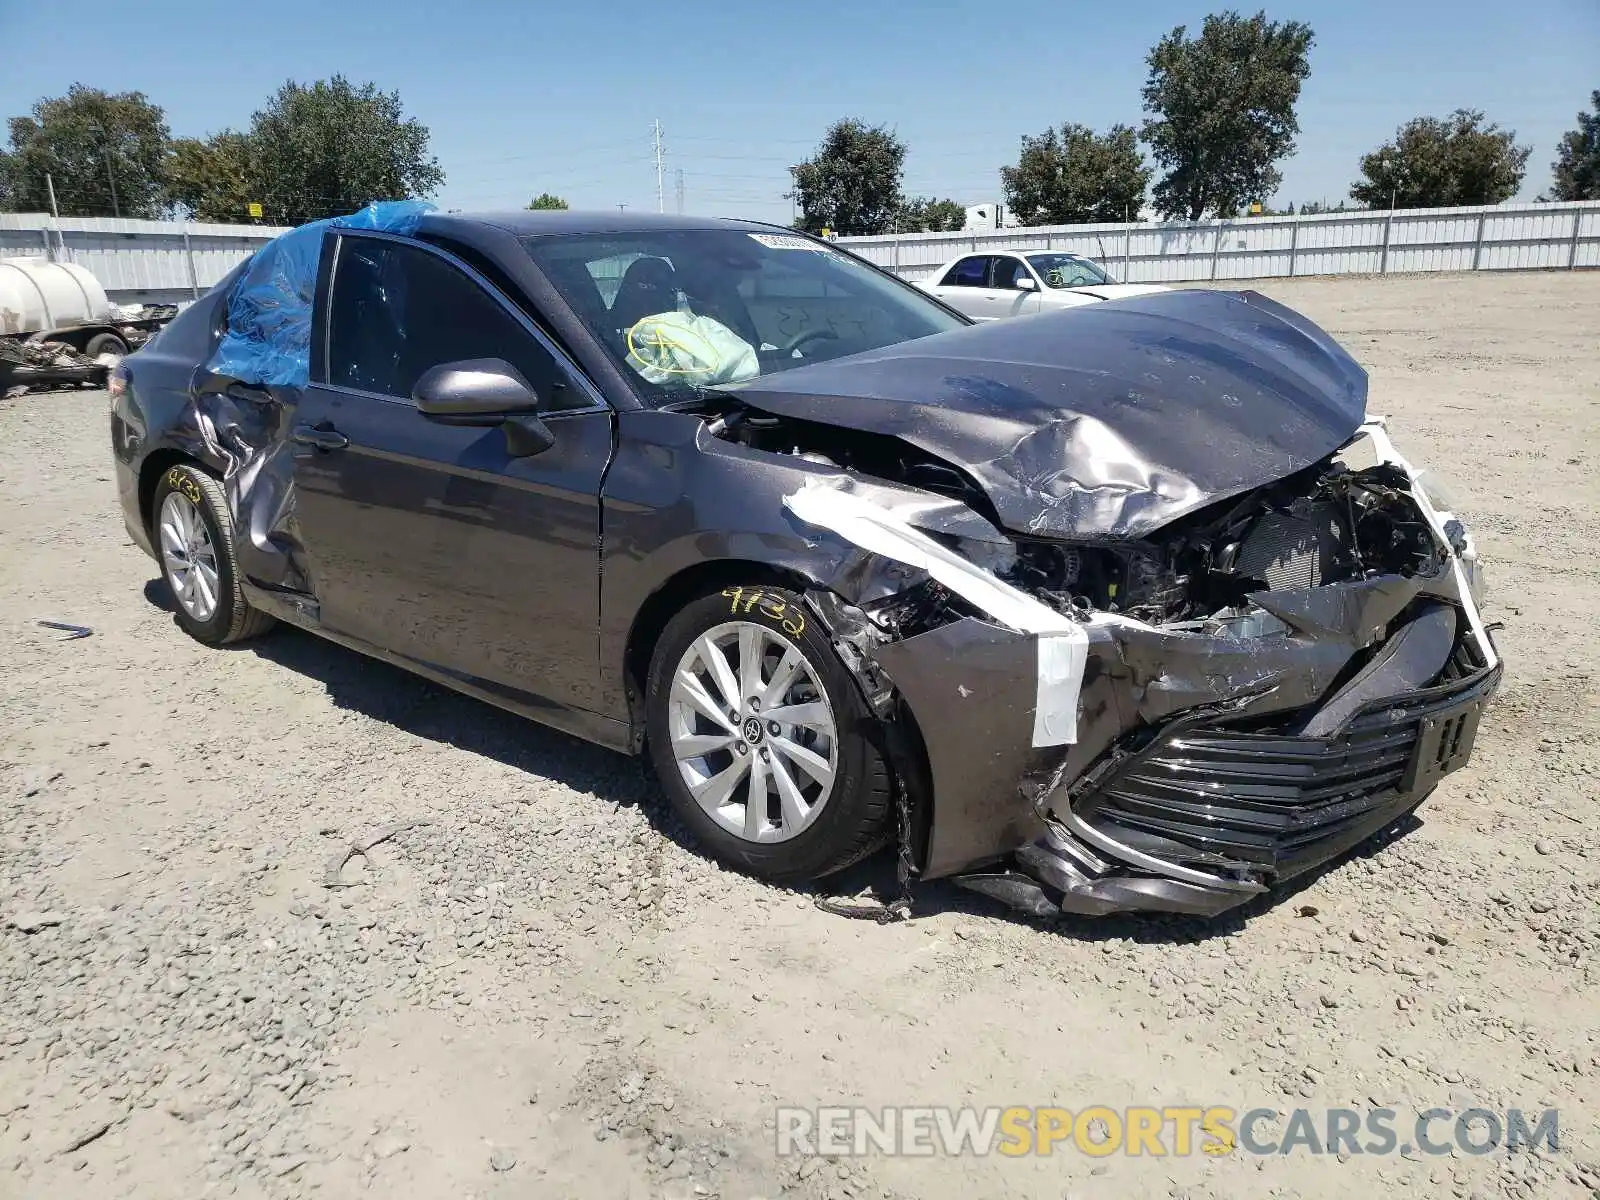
[(1325, 525)]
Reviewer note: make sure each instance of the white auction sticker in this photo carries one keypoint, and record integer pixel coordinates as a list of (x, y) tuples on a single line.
[(788, 241)]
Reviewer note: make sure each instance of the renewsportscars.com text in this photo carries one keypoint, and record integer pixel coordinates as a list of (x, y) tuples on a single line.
[(1100, 1131)]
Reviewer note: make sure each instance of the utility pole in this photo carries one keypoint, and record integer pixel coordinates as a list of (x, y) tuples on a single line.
[(116, 209), (1127, 238), (661, 200), (680, 191), (622, 208), (50, 186)]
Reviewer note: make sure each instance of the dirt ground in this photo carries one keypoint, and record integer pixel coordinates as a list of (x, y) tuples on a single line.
[(544, 992)]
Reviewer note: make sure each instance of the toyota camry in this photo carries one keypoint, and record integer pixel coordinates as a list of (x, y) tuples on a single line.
[(1132, 607)]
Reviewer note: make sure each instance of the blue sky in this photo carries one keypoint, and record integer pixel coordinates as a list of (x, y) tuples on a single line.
[(523, 98)]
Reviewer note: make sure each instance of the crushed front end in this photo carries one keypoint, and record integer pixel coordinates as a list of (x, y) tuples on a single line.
[(1285, 681), (1260, 686)]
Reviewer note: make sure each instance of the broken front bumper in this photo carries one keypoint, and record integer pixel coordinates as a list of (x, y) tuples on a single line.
[(1212, 809), (1111, 764)]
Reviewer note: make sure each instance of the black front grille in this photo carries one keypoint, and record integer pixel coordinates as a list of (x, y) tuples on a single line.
[(1223, 796)]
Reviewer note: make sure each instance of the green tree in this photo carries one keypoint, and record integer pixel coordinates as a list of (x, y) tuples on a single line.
[(210, 179), (547, 201), (851, 185), (105, 152), (327, 148), (1075, 176), (1223, 111), (1435, 163), (924, 214), (1577, 165)]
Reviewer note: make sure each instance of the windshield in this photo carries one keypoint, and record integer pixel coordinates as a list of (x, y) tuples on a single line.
[(1068, 271), (685, 309)]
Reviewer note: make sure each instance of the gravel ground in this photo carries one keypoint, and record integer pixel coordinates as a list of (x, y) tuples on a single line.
[(534, 987)]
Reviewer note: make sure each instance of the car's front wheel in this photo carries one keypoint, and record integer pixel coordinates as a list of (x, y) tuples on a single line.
[(756, 731), (194, 537)]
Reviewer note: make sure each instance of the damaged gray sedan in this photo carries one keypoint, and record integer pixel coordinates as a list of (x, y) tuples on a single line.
[(1127, 608)]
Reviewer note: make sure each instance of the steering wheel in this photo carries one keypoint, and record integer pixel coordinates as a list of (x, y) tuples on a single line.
[(804, 337)]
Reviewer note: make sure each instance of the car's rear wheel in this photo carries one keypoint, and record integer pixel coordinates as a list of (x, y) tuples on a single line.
[(106, 343), (756, 732), (194, 537)]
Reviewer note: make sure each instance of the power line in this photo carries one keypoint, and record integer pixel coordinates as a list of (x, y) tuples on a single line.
[(765, 141)]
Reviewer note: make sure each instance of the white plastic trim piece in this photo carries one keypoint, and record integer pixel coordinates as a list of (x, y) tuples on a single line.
[(1383, 446), (1063, 645)]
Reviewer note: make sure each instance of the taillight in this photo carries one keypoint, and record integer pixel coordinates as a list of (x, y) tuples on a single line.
[(116, 385)]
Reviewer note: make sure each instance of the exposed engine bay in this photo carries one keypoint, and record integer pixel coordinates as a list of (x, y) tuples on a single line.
[(1327, 524)]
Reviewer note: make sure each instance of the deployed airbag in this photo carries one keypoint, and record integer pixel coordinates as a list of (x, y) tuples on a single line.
[(698, 350)]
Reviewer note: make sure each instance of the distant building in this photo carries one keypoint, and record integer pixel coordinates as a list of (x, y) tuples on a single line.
[(983, 217)]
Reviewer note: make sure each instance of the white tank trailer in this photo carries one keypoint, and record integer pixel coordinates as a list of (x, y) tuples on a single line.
[(58, 326)]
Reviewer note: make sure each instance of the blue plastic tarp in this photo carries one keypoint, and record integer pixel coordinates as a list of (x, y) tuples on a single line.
[(268, 340)]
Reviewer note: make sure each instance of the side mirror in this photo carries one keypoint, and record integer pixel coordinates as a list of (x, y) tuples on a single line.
[(475, 391), (1026, 284), (485, 391)]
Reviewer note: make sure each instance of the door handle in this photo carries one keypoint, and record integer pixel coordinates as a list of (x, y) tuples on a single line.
[(321, 438)]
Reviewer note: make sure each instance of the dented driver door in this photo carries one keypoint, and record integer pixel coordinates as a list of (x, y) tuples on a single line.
[(436, 542)]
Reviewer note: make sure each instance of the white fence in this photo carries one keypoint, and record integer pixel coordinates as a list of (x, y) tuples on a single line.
[(171, 262), (137, 262), (1500, 237)]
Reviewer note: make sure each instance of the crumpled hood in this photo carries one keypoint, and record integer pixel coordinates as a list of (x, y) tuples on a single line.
[(1106, 421)]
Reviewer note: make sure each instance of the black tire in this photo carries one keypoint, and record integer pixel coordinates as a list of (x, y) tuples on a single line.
[(234, 620), (105, 343), (854, 820)]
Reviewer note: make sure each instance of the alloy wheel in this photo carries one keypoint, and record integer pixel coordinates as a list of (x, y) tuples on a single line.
[(752, 731), (189, 557)]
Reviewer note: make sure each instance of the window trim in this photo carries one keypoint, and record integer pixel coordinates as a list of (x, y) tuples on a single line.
[(324, 356)]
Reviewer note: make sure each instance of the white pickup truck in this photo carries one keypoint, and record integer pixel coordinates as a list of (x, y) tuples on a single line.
[(991, 285)]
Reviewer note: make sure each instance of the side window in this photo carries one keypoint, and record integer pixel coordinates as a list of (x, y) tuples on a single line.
[(397, 310), (1007, 271), (972, 271)]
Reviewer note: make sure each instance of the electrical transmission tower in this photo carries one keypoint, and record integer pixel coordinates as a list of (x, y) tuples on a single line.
[(680, 191), (661, 199)]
